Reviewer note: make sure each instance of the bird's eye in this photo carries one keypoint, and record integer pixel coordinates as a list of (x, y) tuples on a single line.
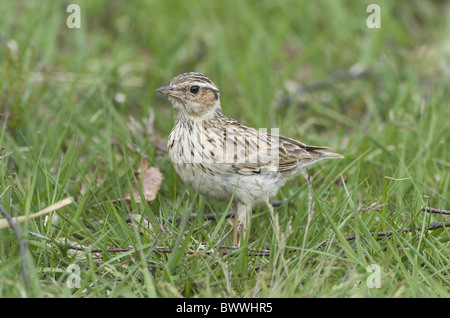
[(194, 89)]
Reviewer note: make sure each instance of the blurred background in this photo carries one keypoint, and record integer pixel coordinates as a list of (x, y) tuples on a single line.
[(257, 52)]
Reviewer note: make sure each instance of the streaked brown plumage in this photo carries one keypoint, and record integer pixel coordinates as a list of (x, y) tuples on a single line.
[(220, 157)]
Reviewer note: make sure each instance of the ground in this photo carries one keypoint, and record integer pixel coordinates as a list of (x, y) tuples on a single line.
[(79, 116)]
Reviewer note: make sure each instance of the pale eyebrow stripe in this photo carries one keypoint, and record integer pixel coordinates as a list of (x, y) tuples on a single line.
[(204, 85)]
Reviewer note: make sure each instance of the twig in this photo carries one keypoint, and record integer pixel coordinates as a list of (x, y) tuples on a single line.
[(276, 204), (432, 226), (209, 216), (434, 210), (22, 246), (51, 208), (159, 249)]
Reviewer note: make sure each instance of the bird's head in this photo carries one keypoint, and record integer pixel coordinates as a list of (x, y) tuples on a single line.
[(193, 95)]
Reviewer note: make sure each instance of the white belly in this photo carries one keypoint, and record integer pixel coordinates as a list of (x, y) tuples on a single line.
[(252, 189)]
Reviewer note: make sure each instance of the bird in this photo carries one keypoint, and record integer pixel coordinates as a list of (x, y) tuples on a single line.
[(224, 159)]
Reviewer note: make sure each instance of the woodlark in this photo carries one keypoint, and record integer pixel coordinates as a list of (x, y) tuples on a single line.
[(222, 158)]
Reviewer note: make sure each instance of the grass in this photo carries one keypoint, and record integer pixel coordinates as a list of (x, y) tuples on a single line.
[(65, 133)]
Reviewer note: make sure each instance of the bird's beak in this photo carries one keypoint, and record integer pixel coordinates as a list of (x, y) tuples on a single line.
[(167, 90)]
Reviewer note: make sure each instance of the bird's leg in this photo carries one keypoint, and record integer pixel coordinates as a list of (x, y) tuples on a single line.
[(240, 222), (235, 233)]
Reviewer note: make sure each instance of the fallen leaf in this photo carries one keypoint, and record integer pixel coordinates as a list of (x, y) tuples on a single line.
[(150, 178)]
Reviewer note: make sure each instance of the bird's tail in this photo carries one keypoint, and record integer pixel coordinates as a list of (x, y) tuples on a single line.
[(321, 154), (326, 155), (318, 154)]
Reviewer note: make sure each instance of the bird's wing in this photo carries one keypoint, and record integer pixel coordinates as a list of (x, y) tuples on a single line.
[(248, 151)]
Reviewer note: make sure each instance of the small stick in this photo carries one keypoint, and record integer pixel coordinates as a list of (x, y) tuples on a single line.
[(432, 226), (434, 210), (158, 249)]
